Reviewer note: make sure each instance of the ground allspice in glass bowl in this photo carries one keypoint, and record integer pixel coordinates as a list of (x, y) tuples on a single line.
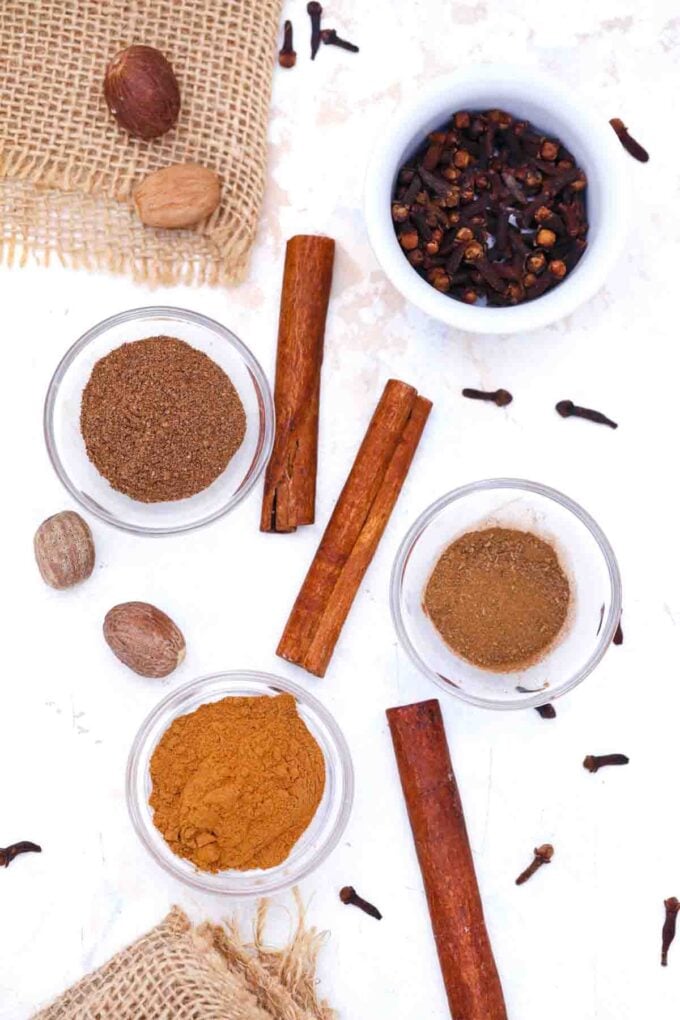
[(491, 210), (160, 419), (236, 783), (499, 598)]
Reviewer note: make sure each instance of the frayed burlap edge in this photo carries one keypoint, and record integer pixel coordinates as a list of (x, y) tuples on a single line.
[(148, 270), (226, 263), (282, 980), (185, 968)]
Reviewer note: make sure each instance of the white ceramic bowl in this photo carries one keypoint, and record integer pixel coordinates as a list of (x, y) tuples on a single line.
[(549, 105)]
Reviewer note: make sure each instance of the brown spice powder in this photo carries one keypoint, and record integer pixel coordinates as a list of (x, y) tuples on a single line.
[(160, 419), (499, 598), (236, 783)]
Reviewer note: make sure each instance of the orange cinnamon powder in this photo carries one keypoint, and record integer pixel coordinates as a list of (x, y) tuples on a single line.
[(236, 783)]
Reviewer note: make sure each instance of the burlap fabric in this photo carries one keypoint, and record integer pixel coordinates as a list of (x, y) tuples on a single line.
[(177, 972), (67, 170)]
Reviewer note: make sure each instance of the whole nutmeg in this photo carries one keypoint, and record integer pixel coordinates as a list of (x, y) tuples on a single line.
[(144, 638), (64, 550), (142, 91), (177, 196)]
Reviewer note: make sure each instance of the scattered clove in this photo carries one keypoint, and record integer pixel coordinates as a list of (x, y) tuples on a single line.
[(593, 762), (568, 409), (501, 398), (349, 897), (287, 55), (542, 855), (331, 38), (631, 146), (547, 711), (672, 906), (315, 10), (8, 853), (618, 635)]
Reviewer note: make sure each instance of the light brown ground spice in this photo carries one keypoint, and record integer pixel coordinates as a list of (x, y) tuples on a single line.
[(499, 598), (236, 783), (160, 419)]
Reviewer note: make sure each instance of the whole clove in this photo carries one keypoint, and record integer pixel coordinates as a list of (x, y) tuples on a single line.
[(672, 906), (506, 204), (287, 55), (629, 143), (501, 398), (542, 855), (593, 762), (331, 38), (8, 853), (547, 711), (315, 10), (350, 897), (568, 409)]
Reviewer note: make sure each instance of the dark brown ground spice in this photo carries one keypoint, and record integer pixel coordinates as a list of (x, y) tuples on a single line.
[(498, 597), (160, 419)]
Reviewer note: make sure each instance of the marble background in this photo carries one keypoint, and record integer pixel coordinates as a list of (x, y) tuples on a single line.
[(582, 940)]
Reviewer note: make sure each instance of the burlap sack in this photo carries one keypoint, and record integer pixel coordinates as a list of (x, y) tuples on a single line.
[(67, 170), (176, 972)]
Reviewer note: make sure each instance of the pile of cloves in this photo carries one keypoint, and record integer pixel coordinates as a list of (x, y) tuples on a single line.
[(327, 36), (490, 210)]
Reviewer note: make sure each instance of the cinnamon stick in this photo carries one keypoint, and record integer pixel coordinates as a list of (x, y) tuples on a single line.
[(290, 479), (355, 528), (436, 815)]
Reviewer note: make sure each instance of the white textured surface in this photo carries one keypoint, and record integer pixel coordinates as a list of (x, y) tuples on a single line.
[(582, 940)]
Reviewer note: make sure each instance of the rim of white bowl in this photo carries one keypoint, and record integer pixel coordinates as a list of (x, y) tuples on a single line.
[(260, 384), (207, 881), (580, 286), (424, 519)]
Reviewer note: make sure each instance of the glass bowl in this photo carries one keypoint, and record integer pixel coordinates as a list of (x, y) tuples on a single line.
[(66, 447), (316, 842), (585, 555)]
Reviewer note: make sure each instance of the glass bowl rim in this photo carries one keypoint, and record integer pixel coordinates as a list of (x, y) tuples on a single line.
[(424, 519), (143, 313), (229, 679)]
